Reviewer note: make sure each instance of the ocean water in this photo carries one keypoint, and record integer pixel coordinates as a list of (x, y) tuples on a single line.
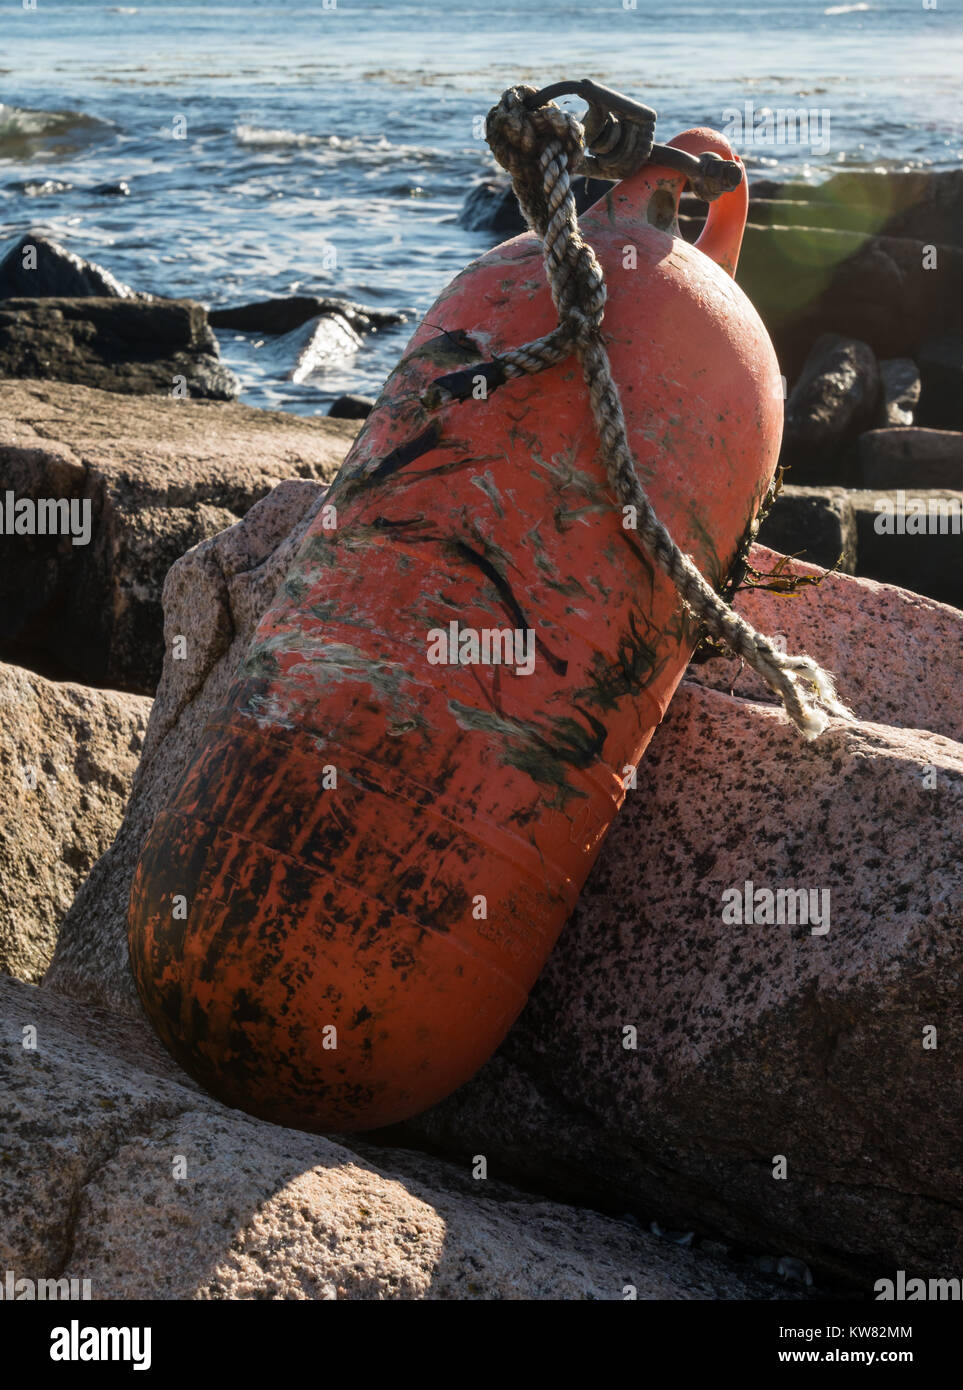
[(327, 147)]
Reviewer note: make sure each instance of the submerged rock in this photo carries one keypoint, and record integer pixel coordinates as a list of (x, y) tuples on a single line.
[(120, 189), (290, 312), (39, 188)]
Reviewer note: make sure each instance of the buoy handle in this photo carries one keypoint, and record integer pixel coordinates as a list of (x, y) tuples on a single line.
[(721, 238)]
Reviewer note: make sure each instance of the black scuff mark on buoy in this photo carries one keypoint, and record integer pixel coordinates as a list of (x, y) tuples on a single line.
[(410, 531), (492, 695), (462, 385), (543, 750), (405, 453), (507, 594), (404, 523), (635, 668), (451, 345)]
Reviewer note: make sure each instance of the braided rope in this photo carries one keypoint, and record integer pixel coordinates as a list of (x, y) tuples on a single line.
[(538, 148)]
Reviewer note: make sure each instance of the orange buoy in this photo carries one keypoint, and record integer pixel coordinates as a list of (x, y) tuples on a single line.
[(391, 817)]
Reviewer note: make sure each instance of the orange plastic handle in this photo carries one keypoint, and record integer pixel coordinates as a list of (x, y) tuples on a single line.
[(651, 195), (721, 238)]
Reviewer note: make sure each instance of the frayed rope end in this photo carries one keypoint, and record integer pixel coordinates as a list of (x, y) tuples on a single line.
[(810, 712)]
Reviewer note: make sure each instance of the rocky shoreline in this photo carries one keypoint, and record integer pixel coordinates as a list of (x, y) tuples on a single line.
[(648, 1169), (63, 318)]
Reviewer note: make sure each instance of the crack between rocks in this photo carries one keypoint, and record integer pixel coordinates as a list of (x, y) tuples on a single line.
[(219, 648), (98, 1161)]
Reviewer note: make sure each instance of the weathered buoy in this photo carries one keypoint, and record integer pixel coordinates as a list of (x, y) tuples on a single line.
[(390, 819)]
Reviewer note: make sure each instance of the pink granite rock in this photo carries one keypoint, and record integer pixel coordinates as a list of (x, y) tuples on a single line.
[(756, 1039), (897, 655), (119, 1171), (67, 760)]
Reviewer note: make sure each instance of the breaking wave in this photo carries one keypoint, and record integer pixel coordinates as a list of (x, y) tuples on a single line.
[(267, 139), (24, 131)]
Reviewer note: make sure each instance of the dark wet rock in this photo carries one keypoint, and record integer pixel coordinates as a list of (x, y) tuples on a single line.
[(817, 524), (941, 370), (121, 189), (297, 355), (132, 346), (912, 536), (833, 400), (922, 205), (159, 475), (899, 381), (911, 458), (351, 407), (38, 268), (491, 206), (291, 312), (884, 291)]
